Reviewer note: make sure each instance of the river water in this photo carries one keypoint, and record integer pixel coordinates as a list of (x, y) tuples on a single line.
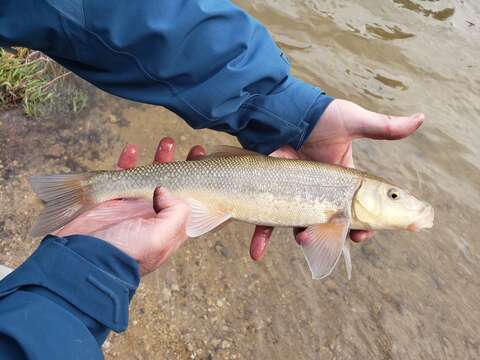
[(411, 296)]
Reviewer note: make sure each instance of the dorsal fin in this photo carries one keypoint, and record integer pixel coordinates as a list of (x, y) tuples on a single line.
[(227, 150)]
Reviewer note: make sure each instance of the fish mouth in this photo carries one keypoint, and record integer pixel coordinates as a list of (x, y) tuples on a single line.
[(424, 221)]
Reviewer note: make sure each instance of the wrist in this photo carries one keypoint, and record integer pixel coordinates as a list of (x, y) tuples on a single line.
[(315, 117), (285, 116)]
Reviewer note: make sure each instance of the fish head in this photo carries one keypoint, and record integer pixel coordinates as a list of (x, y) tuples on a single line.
[(380, 205)]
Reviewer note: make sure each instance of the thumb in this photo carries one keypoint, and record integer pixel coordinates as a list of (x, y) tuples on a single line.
[(385, 127)]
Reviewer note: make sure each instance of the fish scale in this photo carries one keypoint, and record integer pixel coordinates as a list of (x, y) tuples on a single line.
[(241, 184)]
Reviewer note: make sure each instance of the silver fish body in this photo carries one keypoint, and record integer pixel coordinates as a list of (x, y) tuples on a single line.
[(328, 200), (255, 189)]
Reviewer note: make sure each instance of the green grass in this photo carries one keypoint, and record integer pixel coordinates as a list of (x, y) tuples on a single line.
[(37, 82)]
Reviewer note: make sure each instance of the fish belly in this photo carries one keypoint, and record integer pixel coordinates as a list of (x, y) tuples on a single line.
[(264, 208)]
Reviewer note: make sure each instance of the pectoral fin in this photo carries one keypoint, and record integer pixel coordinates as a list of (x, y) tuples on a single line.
[(324, 246), (204, 219)]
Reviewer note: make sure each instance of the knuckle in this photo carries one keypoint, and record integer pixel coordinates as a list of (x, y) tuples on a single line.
[(388, 128)]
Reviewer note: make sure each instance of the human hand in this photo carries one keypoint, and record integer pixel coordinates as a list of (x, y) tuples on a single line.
[(331, 142), (149, 234)]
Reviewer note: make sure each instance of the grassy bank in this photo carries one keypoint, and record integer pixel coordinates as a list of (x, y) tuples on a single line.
[(37, 83)]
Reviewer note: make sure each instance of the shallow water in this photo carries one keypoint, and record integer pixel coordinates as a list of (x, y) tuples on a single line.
[(412, 296)]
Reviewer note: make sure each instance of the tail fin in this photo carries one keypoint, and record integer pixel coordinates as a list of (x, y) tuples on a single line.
[(65, 196)]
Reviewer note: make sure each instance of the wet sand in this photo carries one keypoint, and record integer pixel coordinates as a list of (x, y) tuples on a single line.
[(412, 296)]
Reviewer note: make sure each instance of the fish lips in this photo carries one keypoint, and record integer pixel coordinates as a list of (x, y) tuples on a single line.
[(424, 221)]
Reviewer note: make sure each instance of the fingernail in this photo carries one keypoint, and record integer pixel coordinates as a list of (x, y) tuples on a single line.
[(128, 157), (166, 143), (169, 146), (419, 117), (130, 149)]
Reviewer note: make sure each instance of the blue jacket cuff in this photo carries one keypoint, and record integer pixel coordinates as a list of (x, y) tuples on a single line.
[(88, 273), (287, 116)]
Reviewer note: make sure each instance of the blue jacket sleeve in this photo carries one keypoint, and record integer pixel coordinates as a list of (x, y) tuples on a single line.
[(206, 60), (62, 302)]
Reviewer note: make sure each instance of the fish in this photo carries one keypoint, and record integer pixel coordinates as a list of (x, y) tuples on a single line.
[(236, 184)]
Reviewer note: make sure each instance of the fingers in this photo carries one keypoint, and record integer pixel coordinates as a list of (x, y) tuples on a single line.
[(380, 126), (260, 241), (163, 199), (297, 231), (360, 235), (286, 152), (172, 214), (386, 127), (197, 152), (129, 157), (165, 150), (303, 238)]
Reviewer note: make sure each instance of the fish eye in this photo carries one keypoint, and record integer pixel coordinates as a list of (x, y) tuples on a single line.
[(393, 194)]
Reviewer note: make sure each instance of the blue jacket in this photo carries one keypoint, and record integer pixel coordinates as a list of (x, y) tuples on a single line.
[(206, 60), (62, 302)]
